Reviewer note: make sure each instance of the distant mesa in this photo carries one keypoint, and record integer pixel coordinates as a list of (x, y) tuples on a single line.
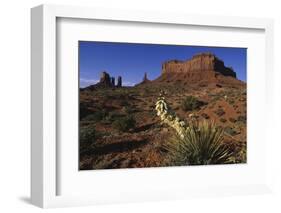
[(203, 67), (204, 62)]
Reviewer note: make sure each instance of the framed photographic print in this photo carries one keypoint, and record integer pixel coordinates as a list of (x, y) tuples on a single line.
[(192, 113), (130, 106)]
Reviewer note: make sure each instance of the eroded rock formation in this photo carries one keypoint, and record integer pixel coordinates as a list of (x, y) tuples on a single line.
[(119, 81), (145, 77), (112, 81), (204, 62), (145, 80), (105, 80), (202, 68)]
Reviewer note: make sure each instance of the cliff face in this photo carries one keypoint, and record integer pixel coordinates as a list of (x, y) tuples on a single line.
[(202, 68), (205, 62)]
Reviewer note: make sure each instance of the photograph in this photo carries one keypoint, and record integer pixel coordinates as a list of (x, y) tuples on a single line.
[(161, 105)]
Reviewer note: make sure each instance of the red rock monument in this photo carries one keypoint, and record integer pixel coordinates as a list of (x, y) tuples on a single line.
[(204, 67)]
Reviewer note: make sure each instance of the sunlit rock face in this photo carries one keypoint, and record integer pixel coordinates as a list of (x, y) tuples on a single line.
[(204, 67), (204, 62)]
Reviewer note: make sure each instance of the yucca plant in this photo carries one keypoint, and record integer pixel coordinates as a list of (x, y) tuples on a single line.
[(202, 144)]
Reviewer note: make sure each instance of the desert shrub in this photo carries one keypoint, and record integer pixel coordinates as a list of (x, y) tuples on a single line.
[(223, 120), (124, 103), (83, 111), (242, 118), (232, 120), (230, 131), (219, 112), (122, 95), (127, 109), (191, 103), (242, 155), (206, 116), (88, 135), (111, 116), (240, 152), (146, 91), (124, 123), (152, 113), (202, 144), (96, 116), (231, 101)]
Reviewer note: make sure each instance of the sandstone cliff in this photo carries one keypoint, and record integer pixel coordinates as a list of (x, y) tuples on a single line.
[(204, 67), (204, 62)]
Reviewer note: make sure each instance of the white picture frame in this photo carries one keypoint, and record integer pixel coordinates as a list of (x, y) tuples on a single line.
[(44, 155)]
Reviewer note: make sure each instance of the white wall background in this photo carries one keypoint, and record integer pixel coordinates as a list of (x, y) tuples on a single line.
[(15, 104)]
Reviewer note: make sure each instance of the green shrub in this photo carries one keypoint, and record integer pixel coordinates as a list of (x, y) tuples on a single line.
[(202, 144), (112, 116), (88, 135), (231, 101), (242, 155), (191, 103), (96, 116), (124, 103), (83, 111), (125, 123), (230, 131), (242, 118), (127, 109)]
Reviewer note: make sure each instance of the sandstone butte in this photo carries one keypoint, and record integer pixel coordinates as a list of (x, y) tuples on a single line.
[(107, 81), (203, 67)]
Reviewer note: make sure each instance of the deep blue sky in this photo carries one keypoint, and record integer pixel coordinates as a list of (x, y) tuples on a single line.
[(132, 60)]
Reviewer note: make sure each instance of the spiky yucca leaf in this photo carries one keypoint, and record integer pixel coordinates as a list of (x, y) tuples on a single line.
[(202, 144)]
